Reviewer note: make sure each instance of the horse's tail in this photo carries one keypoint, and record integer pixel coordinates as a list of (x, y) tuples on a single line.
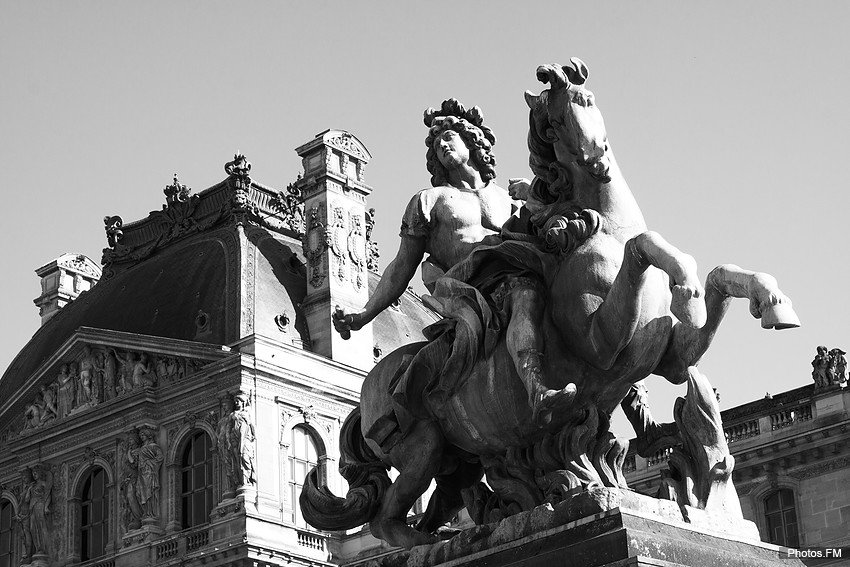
[(367, 480)]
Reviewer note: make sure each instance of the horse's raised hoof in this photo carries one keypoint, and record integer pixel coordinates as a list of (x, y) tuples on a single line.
[(551, 401), (779, 316), (688, 305)]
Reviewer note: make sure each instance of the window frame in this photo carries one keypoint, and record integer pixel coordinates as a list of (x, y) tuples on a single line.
[(184, 471)]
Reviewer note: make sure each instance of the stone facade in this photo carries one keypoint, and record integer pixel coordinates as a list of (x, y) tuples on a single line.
[(169, 414)]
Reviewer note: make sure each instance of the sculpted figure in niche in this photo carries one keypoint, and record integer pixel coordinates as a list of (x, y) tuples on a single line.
[(38, 499), (236, 440), (67, 388), (150, 458), (462, 210), (820, 368), (131, 509)]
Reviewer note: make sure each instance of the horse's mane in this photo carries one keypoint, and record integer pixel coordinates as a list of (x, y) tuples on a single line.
[(556, 218)]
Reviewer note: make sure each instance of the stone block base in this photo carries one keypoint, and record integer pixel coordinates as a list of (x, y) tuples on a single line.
[(640, 531)]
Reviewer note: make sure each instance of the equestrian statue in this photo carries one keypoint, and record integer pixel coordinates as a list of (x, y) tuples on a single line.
[(557, 303)]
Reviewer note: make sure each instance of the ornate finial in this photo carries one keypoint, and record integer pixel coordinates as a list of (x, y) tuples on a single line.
[(114, 234), (288, 205), (239, 167), (453, 109), (176, 192)]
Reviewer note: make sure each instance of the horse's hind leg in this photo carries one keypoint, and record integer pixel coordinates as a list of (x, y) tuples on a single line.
[(767, 302), (447, 501), (418, 458)]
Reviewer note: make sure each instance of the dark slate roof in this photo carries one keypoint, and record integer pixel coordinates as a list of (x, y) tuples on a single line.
[(161, 292)]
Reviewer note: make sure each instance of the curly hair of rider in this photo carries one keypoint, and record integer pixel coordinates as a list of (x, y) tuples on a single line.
[(480, 148)]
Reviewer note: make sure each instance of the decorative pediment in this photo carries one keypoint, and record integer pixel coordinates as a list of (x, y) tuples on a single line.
[(95, 367), (348, 143)]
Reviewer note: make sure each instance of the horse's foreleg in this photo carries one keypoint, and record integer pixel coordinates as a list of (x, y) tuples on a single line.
[(767, 302), (687, 303), (614, 322), (418, 458)]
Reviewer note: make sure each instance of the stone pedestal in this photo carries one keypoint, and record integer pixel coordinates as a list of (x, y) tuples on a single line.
[(638, 531), (149, 532)]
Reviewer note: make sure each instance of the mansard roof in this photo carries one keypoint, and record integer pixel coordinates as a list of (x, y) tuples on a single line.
[(211, 267)]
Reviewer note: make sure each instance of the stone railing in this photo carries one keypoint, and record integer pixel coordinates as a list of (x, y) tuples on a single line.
[(166, 550), (659, 457), (787, 417), (181, 544), (197, 540), (312, 540), (743, 430)]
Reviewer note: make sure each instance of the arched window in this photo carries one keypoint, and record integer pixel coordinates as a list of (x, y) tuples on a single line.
[(94, 516), (196, 481), (303, 456), (7, 539), (780, 517)]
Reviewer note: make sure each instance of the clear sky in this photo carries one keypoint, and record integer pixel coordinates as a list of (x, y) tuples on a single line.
[(728, 119)]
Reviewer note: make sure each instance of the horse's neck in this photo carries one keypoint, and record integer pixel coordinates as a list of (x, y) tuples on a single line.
[(613, 200)]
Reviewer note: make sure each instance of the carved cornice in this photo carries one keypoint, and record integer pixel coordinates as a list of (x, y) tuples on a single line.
[(819, 469), (237, 200)]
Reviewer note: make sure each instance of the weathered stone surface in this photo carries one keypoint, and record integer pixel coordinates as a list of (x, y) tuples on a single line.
[(638, 533)]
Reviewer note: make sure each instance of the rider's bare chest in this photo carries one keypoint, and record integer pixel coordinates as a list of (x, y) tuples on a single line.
[(472, 210)]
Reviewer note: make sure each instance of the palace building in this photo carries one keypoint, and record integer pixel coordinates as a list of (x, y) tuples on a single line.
[(171, 404)]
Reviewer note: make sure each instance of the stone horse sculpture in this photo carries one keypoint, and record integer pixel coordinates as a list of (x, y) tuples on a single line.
[(622, 304)]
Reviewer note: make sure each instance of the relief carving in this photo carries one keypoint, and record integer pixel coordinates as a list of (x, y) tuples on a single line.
[(236, 438), (98, 376), (314, 244)]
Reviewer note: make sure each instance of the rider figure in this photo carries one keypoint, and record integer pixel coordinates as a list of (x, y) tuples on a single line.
[(463, 210)]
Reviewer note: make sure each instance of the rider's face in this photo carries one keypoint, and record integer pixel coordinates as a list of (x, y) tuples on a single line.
[(451, 149)]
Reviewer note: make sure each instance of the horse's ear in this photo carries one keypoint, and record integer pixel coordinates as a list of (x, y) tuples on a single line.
[(578, 74), (531, 99)]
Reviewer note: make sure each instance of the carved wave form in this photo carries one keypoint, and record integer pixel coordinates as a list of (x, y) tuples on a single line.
[(580, 456), (367, 479)]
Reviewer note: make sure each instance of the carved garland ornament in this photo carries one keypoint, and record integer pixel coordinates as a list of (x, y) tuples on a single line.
[(338, 243), (314, 244), (357, 250)]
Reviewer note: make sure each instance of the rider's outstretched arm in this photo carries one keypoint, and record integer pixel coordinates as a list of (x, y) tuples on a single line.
[(394, 282)]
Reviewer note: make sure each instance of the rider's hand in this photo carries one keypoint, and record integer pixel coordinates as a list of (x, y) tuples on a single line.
[(344, 322), (519, 188)]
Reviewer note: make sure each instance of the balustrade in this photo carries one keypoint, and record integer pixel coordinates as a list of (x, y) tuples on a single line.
[(741, 431)]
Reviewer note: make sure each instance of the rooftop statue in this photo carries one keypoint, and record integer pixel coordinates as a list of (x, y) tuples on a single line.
[(554, 312)]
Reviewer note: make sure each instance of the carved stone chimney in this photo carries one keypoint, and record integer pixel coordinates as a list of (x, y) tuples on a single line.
[(334, 196), (62, 281)]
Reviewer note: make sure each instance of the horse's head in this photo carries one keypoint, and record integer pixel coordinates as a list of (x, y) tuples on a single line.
[(566, 124)]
